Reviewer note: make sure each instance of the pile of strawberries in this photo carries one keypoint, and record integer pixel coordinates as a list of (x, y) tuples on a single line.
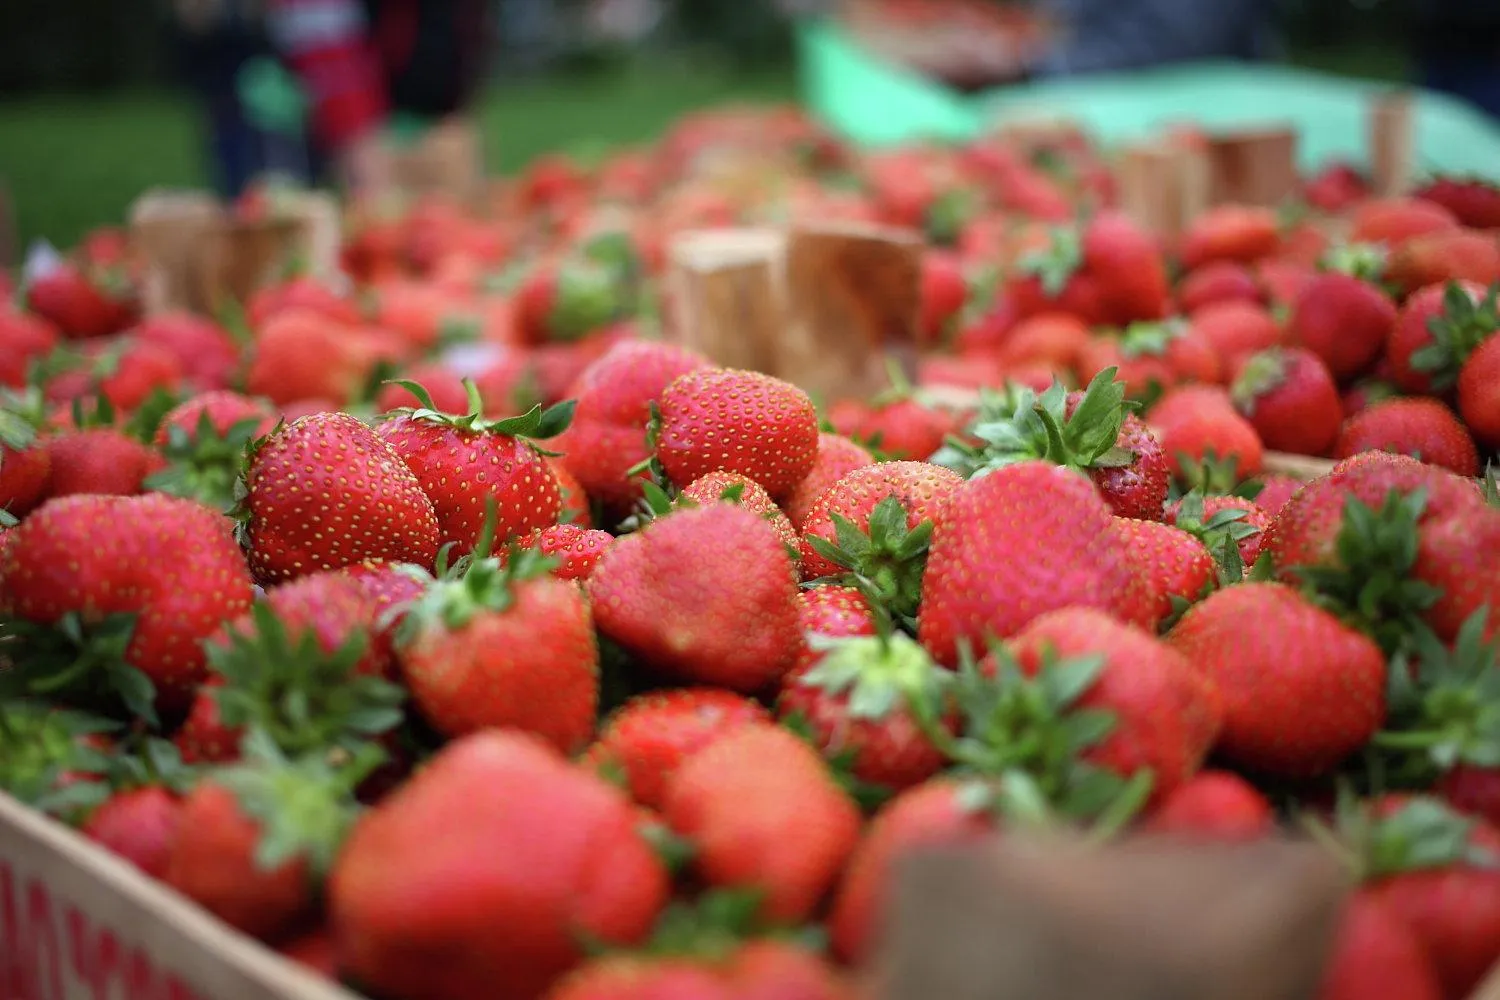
[(458, 635)]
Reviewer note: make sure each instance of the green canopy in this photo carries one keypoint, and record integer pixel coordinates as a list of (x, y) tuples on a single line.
[(874, 102)]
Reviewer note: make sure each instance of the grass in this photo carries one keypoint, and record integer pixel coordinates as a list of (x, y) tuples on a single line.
[(75, 162)]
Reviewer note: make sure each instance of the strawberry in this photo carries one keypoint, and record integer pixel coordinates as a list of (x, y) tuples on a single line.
[(874, 525), (99, 460), (607, 437), (1437, 330), (1275, 491), (731, 487), (1023, 540), (763, 812), (1452, 559), (253, 838), (575, 501), (522, 886), (137, 825), (1421, 428), (119, 592), (898, 426), (302, 293), (390, 587), (834, 612), (1091, 431), (206, 353), (1283, 280), (1199, 430), (1474, 790), (647, 738), (203, 737), (300, 354), (576, 550), (80, 304), (313, 951), (1301, 690), (704, 595), (1215, 805), (1451, 255), (1436, 871), (944, 292), (130, 371), (1219, 520), (1473, 201), (724, 970), (726, 420), (940, 812), (1110, 272), (1236, 330), (325, 491), (1393, 221), (1344, 321), (24, 338), (203, 439), (1218, 281), (464, 463), (1174, 566), (1239, 233), (566, 300), (1479, 392), (1289, 398), (25, 463), (1171, 351), (1164, 715), (503, 645), (1375, 954), (1335, 188), (443, 386), (1366, 393), (1057, 340)]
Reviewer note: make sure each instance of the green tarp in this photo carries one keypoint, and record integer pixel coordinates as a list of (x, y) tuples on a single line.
[(874, 102)]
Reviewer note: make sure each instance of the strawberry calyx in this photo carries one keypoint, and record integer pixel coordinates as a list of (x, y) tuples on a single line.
[(1031, 734), (1209, 474), (22, 415), (1263, 373), (886, 561), (203, 464), (878, 674), (947, 215), (1369, 581), (1444, 703), (1421, 833), (305, 806), (536, 424), (1023, 426), (1489, 484), (1220, 532), (49, 757), (1055, 265), (302, 697), (1456, 333), (1151, 338), (77, 658), (1365, 261), (586, 296)]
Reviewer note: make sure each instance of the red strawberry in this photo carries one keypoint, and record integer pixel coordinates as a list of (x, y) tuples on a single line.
[(1335, 188), (389, 586), (936, 813), (79, 305), (1453, 255), (871, 524), (1170, 562), (1240, 233), (1236, 330), (648, 737), (143, 580), (1474, 201), (704, 595), (1170, 348), (465, 464), (204, 439), (302, 293), (325, 492), (1454, 555), (207, 354), (1436, 871), (1439, 327), (1344, 321), (1362, 395), (944, 292), (567, 300), (1473, 789), (1275, 491), (1376, 954), (242, 854), (1198, 427), (203, 738), (608, 434), (575, 501), (577, 550), (753, 970), (1056, 340), (24, 338), (1214, 805), (734, 488), (1021, 541), (525, 885), (222, 409), (503, 646), (837, 457), (725, 420), (1128, 266), (131, 370), (25, 465), (1421, 428), (1479, 392), (1393, 221), (300, 354), (138, 825), (315, 951), (899, 427), (1216, 519), (1290, 399), (1218, 281), (1165, 715), (763, 812), (99, 460), (1301, 690)]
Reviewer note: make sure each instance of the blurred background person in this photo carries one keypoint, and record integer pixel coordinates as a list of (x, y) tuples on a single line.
[(1456, 44), (1094, 36)]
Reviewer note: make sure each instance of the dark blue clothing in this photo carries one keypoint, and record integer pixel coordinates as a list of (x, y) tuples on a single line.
[(1106, 35)]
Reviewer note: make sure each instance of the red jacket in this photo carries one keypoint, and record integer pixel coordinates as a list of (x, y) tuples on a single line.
[(359, 58)]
